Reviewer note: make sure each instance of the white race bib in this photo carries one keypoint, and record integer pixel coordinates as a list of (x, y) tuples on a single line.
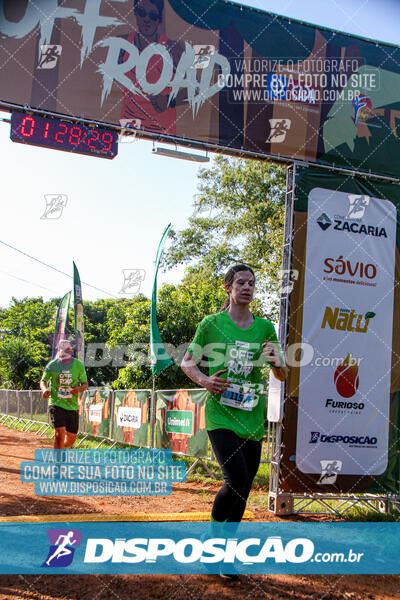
[(239, 396), (64, 392)]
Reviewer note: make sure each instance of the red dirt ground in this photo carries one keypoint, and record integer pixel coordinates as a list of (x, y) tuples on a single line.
[(17, 498)]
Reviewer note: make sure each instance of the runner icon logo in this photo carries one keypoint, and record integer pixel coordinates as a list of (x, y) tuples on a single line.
[(314, 437), (329, 471), (63, 543), (49, 56), (279, 129), (357, 206)]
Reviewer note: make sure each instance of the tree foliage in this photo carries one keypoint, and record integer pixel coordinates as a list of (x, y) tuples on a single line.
[(239, 218)]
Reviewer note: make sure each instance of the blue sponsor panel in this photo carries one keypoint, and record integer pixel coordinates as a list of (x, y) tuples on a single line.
[(103, 472), (199, 548)]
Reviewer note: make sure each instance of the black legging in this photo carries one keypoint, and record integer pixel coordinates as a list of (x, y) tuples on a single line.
[(239, 460)]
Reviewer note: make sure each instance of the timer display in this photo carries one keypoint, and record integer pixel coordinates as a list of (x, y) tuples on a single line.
[(63, 135)]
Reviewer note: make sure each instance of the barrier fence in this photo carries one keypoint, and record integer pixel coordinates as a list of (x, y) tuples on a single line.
[(168, 419)]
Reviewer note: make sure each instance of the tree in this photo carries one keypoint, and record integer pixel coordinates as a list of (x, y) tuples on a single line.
[(239, 218), (179, 311), (20, 364)]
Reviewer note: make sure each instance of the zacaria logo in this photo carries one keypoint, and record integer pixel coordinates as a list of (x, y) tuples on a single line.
[(346, 377)]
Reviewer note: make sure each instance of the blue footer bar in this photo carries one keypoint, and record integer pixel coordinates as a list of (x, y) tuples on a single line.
[(199, 548)]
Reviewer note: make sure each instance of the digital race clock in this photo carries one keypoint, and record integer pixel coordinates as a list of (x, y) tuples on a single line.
[(63, 135)]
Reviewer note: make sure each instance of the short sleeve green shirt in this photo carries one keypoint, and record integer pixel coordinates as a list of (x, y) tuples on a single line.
[(62, 378), (227, 346)]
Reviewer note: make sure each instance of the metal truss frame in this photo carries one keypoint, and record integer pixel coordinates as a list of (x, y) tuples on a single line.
[(284, 503)]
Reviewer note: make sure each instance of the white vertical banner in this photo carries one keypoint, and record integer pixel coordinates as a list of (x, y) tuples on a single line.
[(344, 392)]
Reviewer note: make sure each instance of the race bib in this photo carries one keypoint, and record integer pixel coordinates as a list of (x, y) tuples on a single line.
[(239, 396), (64, 392)]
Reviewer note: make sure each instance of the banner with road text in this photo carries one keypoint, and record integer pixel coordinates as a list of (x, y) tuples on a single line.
[(219, 75)]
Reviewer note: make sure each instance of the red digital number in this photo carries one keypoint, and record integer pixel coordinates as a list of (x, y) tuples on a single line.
[(109, 141), (61, 141), (46, 131), (75, 138), (27, 126), (91, 139)]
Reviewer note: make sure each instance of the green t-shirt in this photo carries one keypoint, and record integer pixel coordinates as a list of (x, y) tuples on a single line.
[(241, 408), (62, 378)]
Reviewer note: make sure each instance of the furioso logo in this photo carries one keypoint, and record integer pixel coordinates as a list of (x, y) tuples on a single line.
[(346, 378), (63, 543), (324, 221)]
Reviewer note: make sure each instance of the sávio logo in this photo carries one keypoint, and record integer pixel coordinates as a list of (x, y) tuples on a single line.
[(314, 437), (279, 129), (357, 206), (346, 378), (340, 266), (344, 319), (324, 221), (63, 543)]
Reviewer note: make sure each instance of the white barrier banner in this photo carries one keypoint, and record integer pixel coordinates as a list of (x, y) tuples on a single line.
[(344, 393), (129, 416), (96, 413)]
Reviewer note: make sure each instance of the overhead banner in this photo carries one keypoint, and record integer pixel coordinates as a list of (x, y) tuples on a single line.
[(221, 75), (347, 320), (341, 412)]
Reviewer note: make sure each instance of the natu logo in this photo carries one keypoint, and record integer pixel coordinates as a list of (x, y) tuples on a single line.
[(344, 319)]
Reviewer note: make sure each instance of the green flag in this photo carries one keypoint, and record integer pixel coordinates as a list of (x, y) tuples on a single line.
[(78, 316), (159, 357), (61, 323)]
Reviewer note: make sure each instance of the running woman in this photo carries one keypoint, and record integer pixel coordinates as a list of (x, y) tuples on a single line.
[(236, 343), (67, 377)]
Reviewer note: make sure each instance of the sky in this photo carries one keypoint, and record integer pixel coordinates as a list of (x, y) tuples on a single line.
[(116, 210)]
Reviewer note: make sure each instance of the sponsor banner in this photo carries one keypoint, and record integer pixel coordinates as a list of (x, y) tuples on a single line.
[(96, 412), (180, 422), (231, 77), (343, 410), (199, 548), (131, 417)]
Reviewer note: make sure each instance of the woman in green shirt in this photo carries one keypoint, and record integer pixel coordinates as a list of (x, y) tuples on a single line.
[(236, 344)]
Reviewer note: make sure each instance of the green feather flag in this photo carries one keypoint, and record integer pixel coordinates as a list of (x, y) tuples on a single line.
[(160, 360)]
